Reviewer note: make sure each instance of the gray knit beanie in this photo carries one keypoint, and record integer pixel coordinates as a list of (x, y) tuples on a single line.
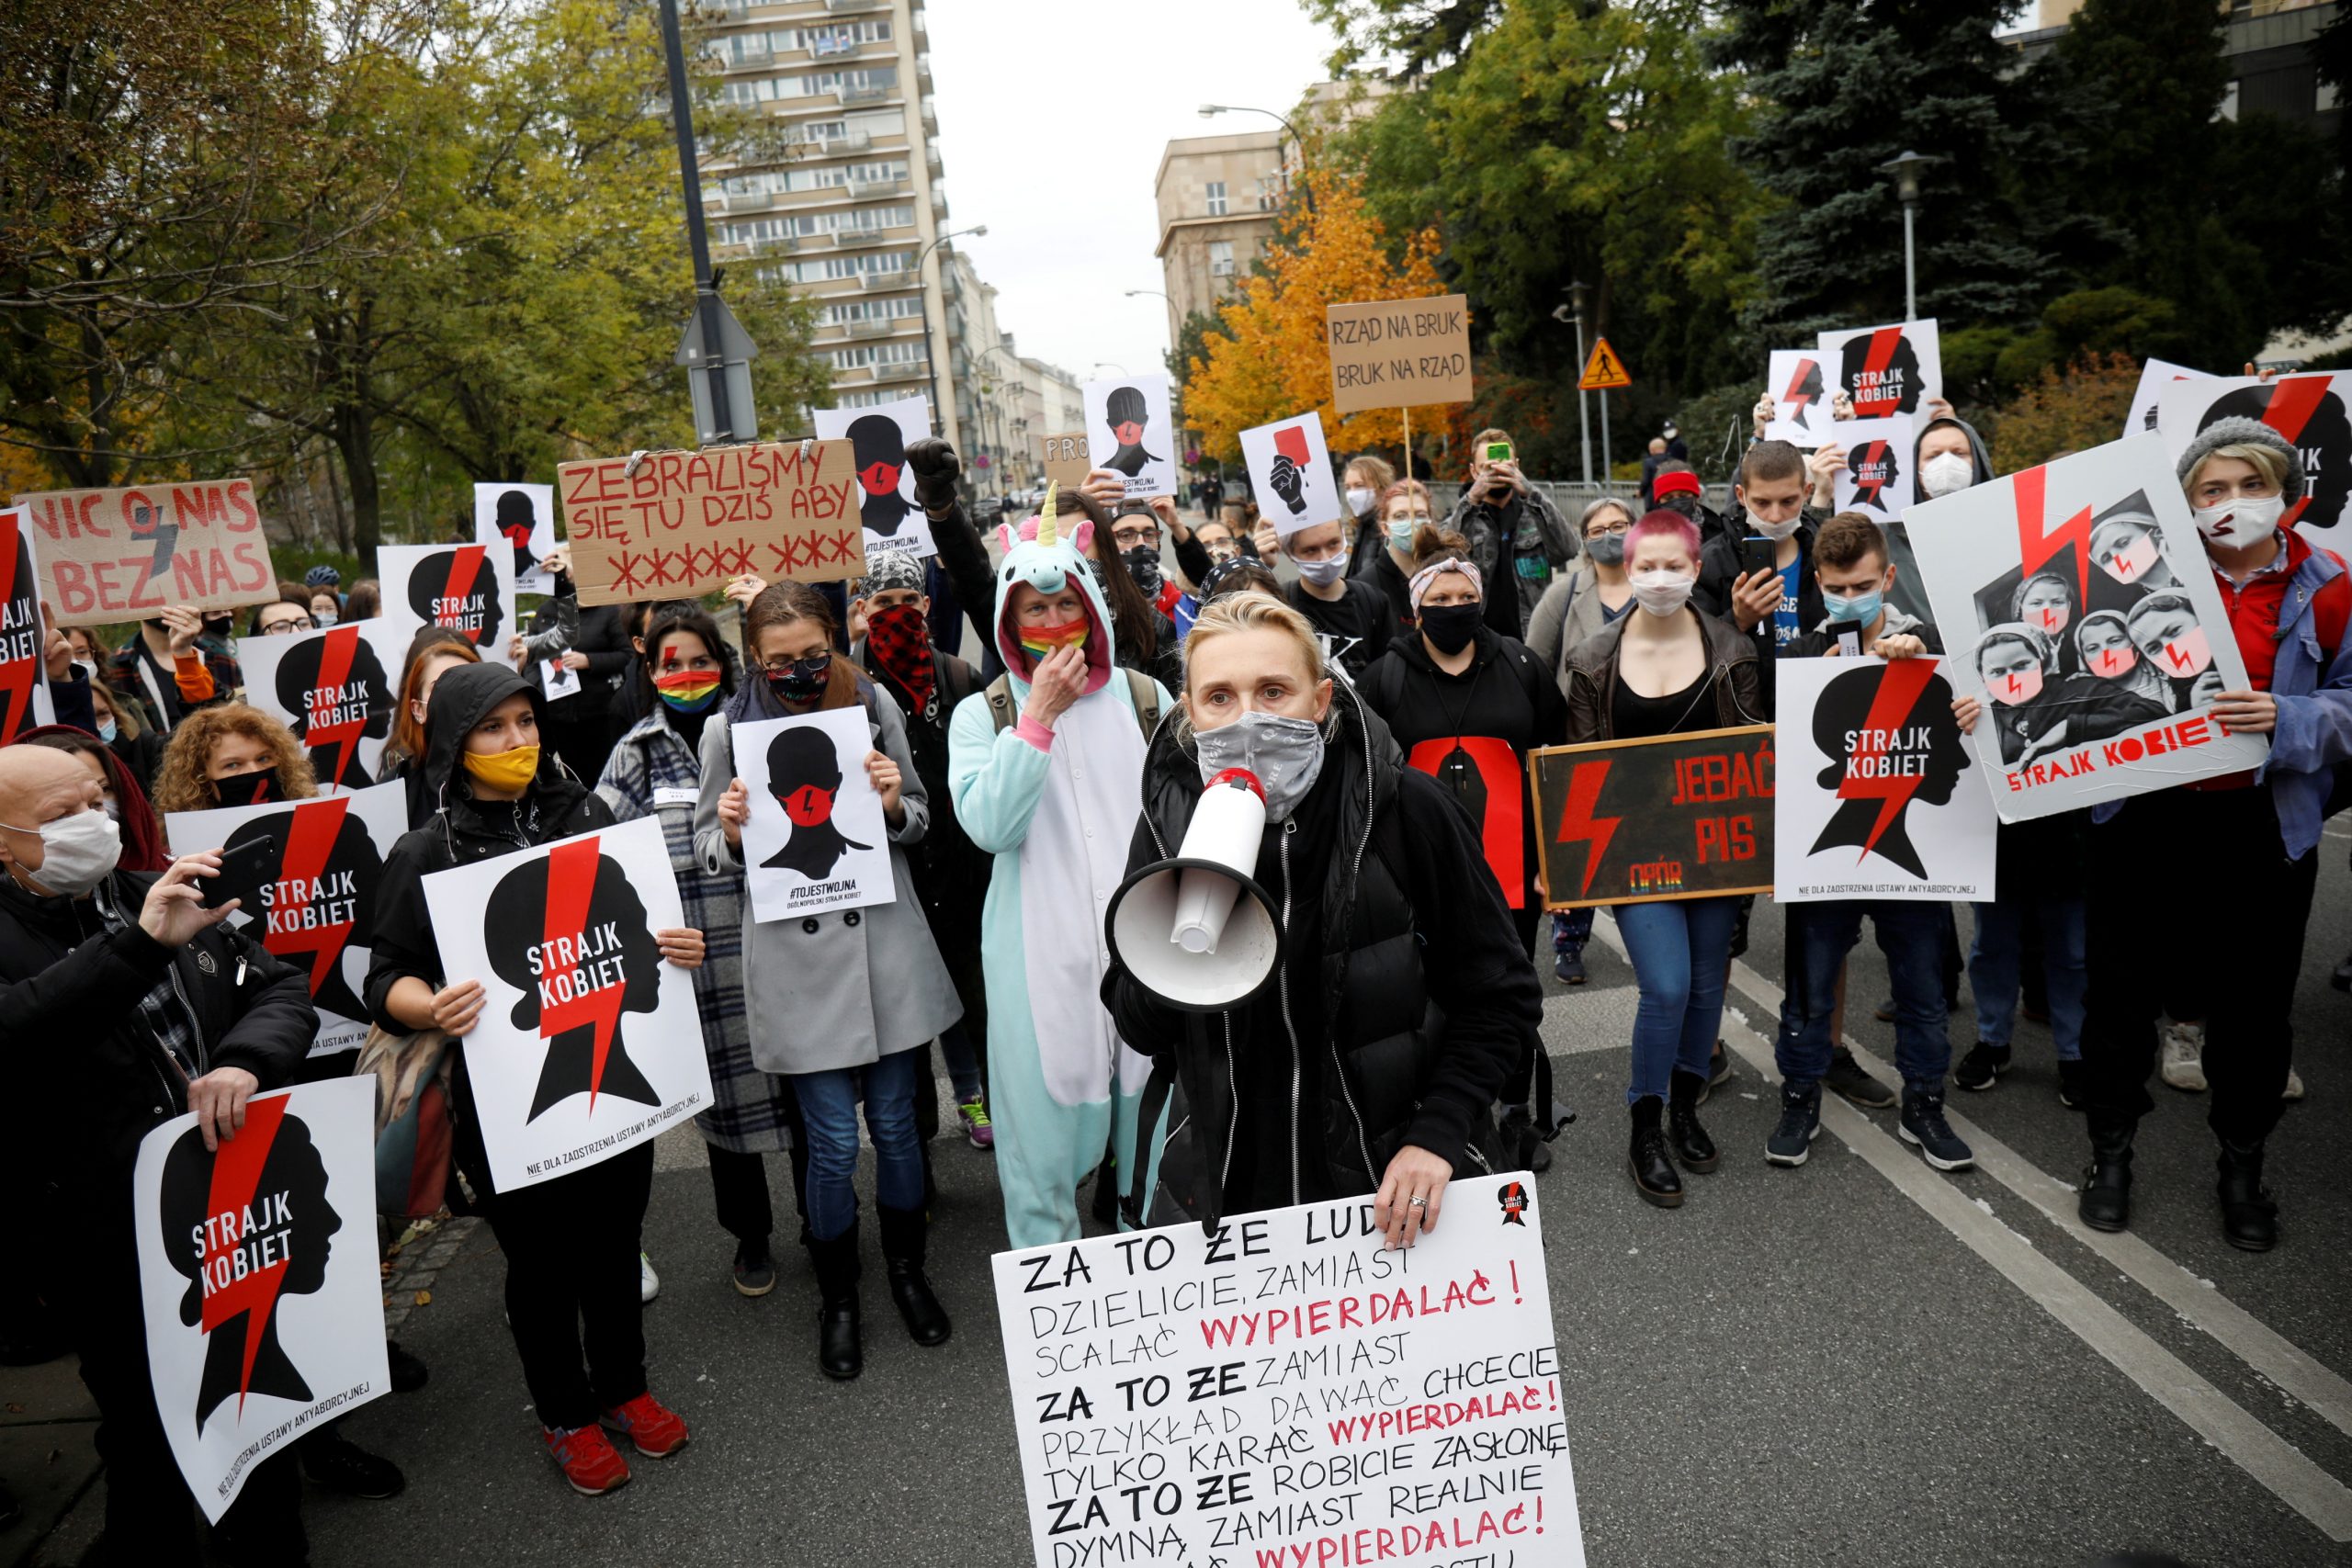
[(2242, 432)]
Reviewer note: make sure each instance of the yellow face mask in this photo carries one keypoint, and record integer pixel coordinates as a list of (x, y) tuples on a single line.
[(509, 771)]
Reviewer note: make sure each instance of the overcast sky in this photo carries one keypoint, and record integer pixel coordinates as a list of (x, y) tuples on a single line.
[(1066, 190)]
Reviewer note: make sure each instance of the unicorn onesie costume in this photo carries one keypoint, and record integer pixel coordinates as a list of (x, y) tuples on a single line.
[(1057, 808)]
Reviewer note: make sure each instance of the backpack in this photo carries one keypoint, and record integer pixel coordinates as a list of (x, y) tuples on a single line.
[(1140, 691)]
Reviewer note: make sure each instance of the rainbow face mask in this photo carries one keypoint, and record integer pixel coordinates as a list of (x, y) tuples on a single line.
[(1041, 640), (687, 690)]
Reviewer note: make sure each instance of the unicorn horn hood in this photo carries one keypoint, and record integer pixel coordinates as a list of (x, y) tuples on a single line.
[(1045, 557)]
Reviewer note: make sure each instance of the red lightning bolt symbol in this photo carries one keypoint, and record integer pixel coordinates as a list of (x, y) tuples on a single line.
[(1898, 692), (1874, 364), (1578, 823), (17, 674), (1872, 457), (308, 840), (2293, 403), (463, 569), (572, 879), (337, 650), (236, 1171), (1796, 393), (2036, 543)]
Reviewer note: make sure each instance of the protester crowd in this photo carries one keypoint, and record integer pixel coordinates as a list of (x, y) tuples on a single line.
[(1383, 694)]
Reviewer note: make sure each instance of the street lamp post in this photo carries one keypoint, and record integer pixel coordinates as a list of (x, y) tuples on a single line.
[(1210, 111), (1905, 169), (716, 350), (938, 424), (1574, 311)]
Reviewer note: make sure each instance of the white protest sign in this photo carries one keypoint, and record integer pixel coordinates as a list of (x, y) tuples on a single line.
[(589, 1041), (1289, 1392), (333, 688), (2094, 656), (557, 679), (817, 840), (1878, 794), (312, 898), (522, 518), (2155, 375), (469, 588), (258, 1278), (1131, 432), (24, 678), (1800, 394), (885, 485), (1877, 479), (2309, 411), (1290, 471), (1886, 370)]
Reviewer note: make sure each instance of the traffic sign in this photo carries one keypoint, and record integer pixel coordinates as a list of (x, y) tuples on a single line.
[(1604, 372)]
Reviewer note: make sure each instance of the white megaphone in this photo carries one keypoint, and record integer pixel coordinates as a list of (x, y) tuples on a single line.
[(1197, 931)]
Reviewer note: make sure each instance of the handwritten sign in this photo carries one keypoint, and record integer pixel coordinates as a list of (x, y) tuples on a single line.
[(1678, 817), (1398, 354), (123, 555), (1065, 459), (1287, 1390), (684, 523)]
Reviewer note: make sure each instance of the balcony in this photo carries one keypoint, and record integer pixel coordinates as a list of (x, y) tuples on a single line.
[(876, 281), (830, 146), (922, 70), (930, 116), (849, 95), (858, 238), (931, 158), (868, 328), (840, 8), (938, 203), (863, 189), (904, 370)]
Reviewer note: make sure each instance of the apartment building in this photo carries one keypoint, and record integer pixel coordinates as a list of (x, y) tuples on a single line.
[(1218, 198)]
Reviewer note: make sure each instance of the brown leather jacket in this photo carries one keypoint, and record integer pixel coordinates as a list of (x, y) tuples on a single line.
[(1591, 677)]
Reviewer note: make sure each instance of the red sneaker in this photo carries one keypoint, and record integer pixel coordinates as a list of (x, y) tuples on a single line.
[(656, 1429), (587, 1458)]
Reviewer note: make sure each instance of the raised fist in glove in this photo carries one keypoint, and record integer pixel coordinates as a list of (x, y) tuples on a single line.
[(937, 468), (1287, 482)]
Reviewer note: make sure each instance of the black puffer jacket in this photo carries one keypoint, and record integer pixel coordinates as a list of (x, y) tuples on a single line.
[(1409, 995)]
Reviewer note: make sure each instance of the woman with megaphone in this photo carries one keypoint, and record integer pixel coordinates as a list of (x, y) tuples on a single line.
[(1340, 1024)]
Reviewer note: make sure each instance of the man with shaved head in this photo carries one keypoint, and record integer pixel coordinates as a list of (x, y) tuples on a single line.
[(124, 1002)]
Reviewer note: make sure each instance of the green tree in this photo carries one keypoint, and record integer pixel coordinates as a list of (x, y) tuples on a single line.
[(1418, 35)]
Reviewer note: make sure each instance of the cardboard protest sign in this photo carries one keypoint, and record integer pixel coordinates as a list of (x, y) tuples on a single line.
[(522, 517), (1800, 395), (1877, 478), (1886, 370), (678, 525), (1680, 817), (2309, 410), (1398, 354), (1287, 1389), (589, 1043), (1290, 471), (123, 555), (2155, 375), (1132, 433), (2078, 607), (1884, 798), (894, 523), (314, 900), (333, 688), (24, 672), (1065, 459), (258, 1278), (817, 839), (469, 588)]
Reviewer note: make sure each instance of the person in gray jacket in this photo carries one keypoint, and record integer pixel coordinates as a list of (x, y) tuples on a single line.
[(1513, 528)]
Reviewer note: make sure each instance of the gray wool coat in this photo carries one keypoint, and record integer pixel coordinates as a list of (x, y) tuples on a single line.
[(849, 987)]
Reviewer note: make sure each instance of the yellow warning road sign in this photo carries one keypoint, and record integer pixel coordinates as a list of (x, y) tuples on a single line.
[(1604, 372)]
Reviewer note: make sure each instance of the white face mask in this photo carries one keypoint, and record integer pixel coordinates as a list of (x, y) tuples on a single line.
[(88, 666), (1663, 593), (77, 852), (1325, 573), (1774, 531), (1946, 472), (1360, 500), (323, 618), (2241, 520)]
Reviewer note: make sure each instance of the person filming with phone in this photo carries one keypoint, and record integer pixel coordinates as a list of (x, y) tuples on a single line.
[(1513, 529)]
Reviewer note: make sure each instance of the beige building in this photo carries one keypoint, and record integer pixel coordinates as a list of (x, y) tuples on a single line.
[(1218, 197)]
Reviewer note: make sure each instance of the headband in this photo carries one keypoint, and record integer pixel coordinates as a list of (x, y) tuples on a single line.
[(1676, 483), (1425, 578)]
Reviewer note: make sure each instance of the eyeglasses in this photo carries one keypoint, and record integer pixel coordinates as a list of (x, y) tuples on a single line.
[(297, 624), (1128, 539), (778, 666), (1611, 528)]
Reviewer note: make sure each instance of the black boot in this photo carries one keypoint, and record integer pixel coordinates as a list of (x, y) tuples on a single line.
[(902, 1254), (839, 1356), (1653, 1175), (2106, 1202), (1692, 1148), (2249, 1219)]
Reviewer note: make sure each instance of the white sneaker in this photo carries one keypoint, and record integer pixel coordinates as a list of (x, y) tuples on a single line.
[(649, 1283), (2184, 1056), (2294, 1089)]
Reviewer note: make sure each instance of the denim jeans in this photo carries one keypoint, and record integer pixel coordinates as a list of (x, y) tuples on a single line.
[(1681, 950), (1571, 929), (1819, 937), (1994, 957), (829, 1111)]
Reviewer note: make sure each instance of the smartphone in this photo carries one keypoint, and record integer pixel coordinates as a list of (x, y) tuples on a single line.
[(1499, 452), (243, 870), (1755, 555)]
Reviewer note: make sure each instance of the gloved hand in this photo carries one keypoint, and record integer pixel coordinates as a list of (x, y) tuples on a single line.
[(937, 468), (1288, 483)]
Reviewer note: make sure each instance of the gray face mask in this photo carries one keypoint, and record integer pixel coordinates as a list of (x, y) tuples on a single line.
[(1608, 550), (1284, 755)]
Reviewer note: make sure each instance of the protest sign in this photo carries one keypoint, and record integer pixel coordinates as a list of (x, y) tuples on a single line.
[(24, 664), (1290, 471), (522, 517), (1398, 354), (1132, 434), (562, 937), (817, 839), (1800, 397), (894, 523), (311, 901), (1877, 479), (2155, 375), (2309, 410), (557, 679), (333, 689), (1886, 370), (1883, 799), (258, 1280), (468, 588), (2077, 605), (123, 555), (1065, 459), (1678, 817), (677, 524), (1286, 1390)]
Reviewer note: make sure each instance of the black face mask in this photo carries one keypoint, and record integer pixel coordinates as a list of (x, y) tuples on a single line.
[(1452, 627), (1143, 565), (249, 789), (802, 681)]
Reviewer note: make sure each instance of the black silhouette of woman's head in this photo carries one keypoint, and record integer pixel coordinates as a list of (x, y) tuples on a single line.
[(805, 777), (881, 449), (570, 932)]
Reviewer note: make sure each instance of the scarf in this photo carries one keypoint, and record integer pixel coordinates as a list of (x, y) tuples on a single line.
[(900, 644)]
